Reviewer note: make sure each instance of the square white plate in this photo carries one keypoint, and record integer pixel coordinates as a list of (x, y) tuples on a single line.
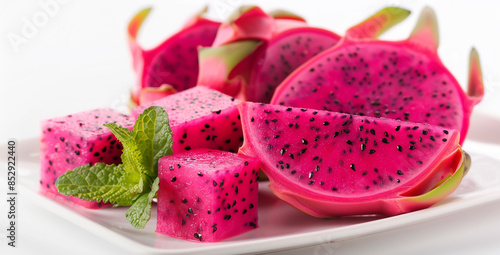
[(281, 226)]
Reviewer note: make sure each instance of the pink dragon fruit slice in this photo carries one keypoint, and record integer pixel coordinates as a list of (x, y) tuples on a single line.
[(402, 80), (207, 195), (283, 54), (75, 140), (333, 164), (173, 62), (201, 118)]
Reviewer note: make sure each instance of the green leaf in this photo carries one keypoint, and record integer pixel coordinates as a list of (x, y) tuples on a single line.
[(101, 182), (132, 159), (153, 137), (140, 212)]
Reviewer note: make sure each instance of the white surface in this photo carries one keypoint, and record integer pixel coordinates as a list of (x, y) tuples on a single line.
[(281, 226), (79, 60)]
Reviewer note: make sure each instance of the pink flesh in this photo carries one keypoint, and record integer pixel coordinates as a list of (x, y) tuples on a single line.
[(381, 79), (85, 140), (282, 56), (201, 118), (195, 173), (175, 61), (355, 179)]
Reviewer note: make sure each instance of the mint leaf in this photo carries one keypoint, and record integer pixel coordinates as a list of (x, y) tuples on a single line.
[(132, 159), (153, 137), (101, 182), (140, 212)]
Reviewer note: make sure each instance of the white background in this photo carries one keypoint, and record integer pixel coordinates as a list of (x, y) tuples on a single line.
[(77, 59)]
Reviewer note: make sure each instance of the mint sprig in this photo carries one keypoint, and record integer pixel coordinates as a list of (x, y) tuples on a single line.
[(135, 181)]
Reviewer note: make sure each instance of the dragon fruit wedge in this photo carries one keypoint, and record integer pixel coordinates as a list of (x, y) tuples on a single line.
[(173, 62), (75, 140), (402, 80), (201, 118), (331, 164), (207, 195)]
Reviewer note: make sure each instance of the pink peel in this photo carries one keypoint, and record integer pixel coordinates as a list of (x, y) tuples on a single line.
[(246, 22)]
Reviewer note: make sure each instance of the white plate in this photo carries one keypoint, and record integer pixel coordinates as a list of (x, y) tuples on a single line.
[(281, 226)]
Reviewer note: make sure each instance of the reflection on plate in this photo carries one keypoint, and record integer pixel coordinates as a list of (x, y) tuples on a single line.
[(282, 227)]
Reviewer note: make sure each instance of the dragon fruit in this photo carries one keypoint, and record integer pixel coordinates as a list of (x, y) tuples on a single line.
[(402, 80), (75, 140), (333, 164), (175, 61), (201, 118), (283, 54), (254, 52), (207, 195)]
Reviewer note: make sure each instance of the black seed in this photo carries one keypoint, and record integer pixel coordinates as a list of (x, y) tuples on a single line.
[(385, 140), (187, 148), (412, 147), (398, 128), (250, 206), (400, 148), (96, 154), (363, 147), (445, 131), (282, 151), (200, 174), (214, 183), (432, 138), (183, 222), (334, 189), (184, 200), (371, 151), (326, 123), (190, 210), (425, 132), (353, 167), (184, 135), (349, 142), (221, 183), (311, 174), (304, 141), (372, 131), (400, 172), (174, 179), (444, 139)]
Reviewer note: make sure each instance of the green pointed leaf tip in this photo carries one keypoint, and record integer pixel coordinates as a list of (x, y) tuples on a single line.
[(378, 23), (475, 88), (132, 159), (101, 182), (426, 31), (153, 137), (230, 54), (140, 212)]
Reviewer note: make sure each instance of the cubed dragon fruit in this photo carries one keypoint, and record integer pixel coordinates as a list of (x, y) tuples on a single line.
[(75, 140), (207, 195)]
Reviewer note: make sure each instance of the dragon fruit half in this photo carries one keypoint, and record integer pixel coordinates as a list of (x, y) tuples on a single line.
[(333, 164), (402, 80)]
